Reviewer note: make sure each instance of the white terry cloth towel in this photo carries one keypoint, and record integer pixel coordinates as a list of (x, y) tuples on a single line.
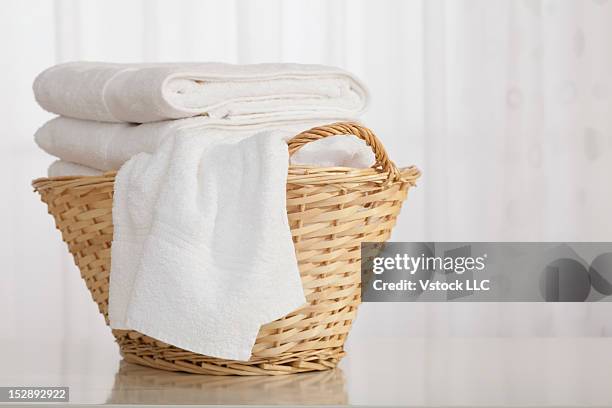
[(141, 93), (333, 151), (106, 146), (202, 254), (61, 168)]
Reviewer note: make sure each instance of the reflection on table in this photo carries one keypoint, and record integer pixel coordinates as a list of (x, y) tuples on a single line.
[(136, 384)]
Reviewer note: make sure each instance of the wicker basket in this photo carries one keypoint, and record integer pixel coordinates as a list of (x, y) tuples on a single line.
[(330, 211)]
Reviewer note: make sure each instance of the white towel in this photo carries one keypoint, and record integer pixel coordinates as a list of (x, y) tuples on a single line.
[(202, 254), (61, 168), (142, 93), (106, 146)]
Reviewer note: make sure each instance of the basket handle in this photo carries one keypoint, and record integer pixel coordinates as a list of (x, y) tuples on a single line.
[(348, 128)]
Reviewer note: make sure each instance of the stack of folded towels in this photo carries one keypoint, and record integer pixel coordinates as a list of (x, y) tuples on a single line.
[(202, 254)]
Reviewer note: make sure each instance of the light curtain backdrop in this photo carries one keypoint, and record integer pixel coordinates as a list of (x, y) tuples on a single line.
[(505, 106)]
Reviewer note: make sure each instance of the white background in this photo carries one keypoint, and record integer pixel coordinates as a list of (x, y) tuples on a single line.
[(504, 105)]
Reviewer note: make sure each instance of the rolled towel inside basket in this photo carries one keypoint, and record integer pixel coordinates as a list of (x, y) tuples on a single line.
[(106, 146), (61, 168), (142, 93)]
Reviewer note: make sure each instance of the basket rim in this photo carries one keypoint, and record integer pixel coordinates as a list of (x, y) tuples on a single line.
[(298, 174), (383, 171)]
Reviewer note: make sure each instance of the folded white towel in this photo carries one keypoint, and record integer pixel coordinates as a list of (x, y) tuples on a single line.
[(106, 146), (142, 93), (60, 168), (202, 254)]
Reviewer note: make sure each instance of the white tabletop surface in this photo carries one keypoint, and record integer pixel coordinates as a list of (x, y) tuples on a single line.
[(393, 372)]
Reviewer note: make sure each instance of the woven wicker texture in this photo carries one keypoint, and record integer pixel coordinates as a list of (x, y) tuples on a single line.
[(330, 211)]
